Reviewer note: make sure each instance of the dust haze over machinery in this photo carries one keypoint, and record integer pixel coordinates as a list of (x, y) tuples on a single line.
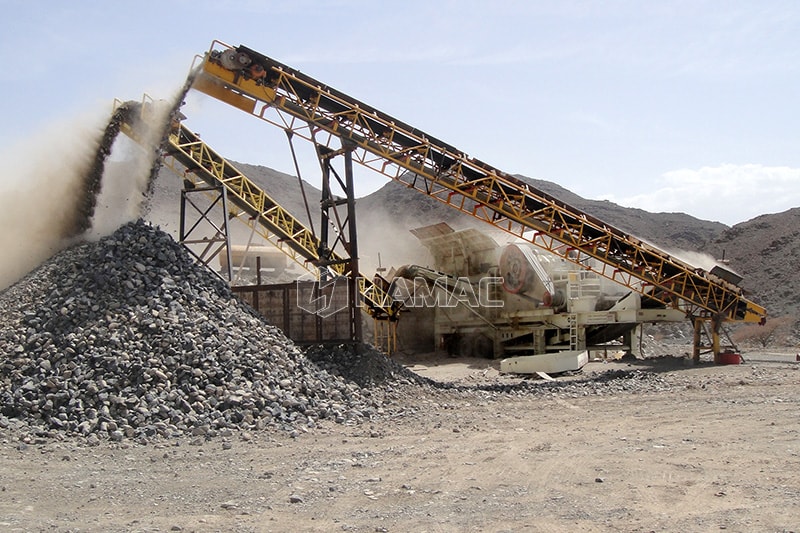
[(280, 95), (310, 110)]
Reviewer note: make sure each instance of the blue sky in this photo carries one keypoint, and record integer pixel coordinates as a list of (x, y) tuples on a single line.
[(686, 106)]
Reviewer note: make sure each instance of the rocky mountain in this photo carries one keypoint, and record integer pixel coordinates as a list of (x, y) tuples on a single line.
[(766, 251), (404, 209), (667, 230)]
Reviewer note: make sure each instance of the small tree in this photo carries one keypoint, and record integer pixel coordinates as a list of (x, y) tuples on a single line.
[(773, 332)]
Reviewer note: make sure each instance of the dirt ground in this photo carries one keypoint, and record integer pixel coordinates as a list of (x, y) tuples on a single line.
[(718, 450)]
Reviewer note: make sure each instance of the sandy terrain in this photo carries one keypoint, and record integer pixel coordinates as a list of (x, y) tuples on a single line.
[(717, 449)]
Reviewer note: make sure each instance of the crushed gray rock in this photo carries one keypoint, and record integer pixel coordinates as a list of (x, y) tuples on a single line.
[(364, 365), (129, 338)]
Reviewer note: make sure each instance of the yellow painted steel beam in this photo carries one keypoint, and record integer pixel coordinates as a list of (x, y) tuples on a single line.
[(139, 135), (279, 227), (206, 164), (212, 168), (298, 103)]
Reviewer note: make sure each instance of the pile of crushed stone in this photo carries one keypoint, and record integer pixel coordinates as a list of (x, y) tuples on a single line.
[(129, 338), (364, 365)]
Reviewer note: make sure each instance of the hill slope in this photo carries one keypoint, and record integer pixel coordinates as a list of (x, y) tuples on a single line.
[(387, 214), (766, 251), (667, 230)]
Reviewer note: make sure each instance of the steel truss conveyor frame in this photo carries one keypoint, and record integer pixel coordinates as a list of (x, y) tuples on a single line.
[(279, 227), (299, 104)]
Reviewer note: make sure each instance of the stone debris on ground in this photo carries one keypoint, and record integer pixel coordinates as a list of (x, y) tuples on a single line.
[(129, 338), (364, 365)]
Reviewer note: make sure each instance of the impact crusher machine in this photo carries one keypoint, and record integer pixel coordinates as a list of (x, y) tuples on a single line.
[(514, 301)]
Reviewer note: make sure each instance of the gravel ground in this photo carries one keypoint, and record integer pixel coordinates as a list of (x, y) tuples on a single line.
[(711, 448), (139, 395)]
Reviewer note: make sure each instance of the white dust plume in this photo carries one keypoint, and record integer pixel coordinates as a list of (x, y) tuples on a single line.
[(40, 186)]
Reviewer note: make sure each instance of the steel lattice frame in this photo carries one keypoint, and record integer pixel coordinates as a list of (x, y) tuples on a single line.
[(295, 102), (275, 224)]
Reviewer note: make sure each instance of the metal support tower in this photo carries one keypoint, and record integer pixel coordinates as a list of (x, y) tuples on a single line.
[(344, 226), (194, 236)]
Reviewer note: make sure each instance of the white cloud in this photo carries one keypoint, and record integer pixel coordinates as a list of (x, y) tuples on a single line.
[(726, 193)]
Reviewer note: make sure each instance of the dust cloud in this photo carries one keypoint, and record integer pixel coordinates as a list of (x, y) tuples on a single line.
[(58, 184), (697, 259), (128, 175), (121, 195), (40, 186), (397, 246)]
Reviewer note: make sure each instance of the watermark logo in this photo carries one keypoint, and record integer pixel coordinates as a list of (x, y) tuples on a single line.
[(328, 295), (446, 291), (325, 296)]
